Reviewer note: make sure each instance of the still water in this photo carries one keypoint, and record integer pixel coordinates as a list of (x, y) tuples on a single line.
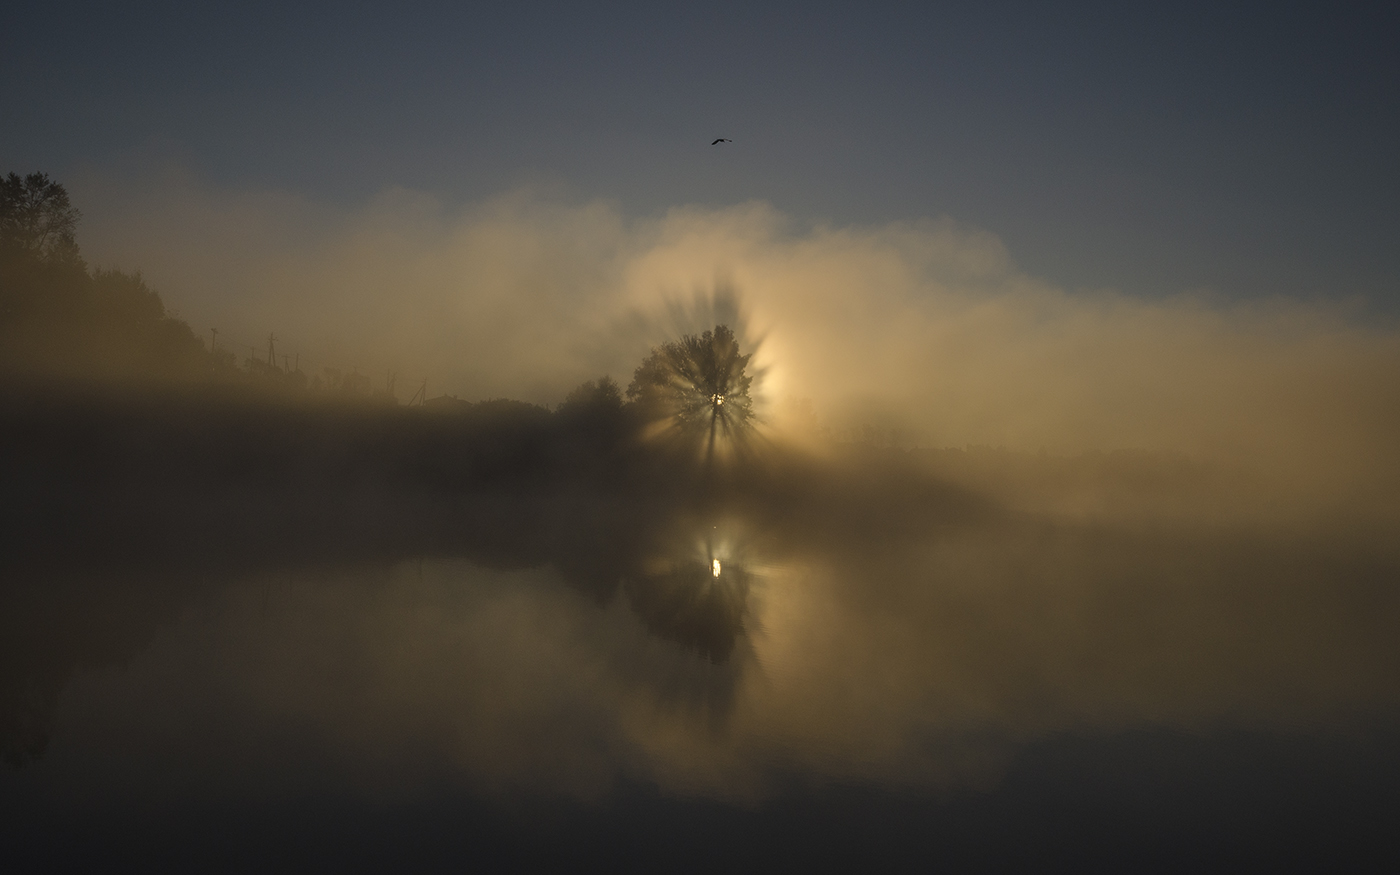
[(738, 689)]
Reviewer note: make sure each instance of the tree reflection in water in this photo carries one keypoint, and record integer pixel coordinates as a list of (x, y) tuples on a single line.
[(696, 599)]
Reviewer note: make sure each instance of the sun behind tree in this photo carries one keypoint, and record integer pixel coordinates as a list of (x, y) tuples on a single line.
[(696, 388)]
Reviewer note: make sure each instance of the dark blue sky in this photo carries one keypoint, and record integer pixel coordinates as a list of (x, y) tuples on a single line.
[(1250, 149)]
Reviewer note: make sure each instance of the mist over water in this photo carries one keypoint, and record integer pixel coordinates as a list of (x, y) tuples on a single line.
[(926, 329), (973, 514), (879, 615)]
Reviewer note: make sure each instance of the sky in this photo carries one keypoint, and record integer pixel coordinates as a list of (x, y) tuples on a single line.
[(1244, 149)]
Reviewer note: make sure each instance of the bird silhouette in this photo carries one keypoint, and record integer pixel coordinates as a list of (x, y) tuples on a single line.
[(721, 140)]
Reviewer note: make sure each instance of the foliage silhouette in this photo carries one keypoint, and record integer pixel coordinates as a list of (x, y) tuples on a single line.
[(37, 218), (58, 320), (697, 388), (594, 397)]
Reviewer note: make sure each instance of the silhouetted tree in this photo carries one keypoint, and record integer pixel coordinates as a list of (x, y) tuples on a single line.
[(36, 217), (698, 383), (592, 396), (59, 320)]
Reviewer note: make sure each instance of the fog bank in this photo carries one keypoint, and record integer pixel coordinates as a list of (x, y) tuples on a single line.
[(925, 330)]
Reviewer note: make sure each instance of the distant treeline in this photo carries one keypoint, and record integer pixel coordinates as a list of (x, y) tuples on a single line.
[(62, 320)]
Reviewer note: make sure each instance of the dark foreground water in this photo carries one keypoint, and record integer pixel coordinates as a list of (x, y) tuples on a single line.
[(1003, 693)]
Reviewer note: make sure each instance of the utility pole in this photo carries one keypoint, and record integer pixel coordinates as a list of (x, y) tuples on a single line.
[(271, 352), (213, 339)]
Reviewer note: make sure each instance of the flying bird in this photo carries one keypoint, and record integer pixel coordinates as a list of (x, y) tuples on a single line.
[(721, 140)]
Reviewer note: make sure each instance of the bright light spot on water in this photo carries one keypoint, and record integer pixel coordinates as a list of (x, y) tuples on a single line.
[(714, 566)]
